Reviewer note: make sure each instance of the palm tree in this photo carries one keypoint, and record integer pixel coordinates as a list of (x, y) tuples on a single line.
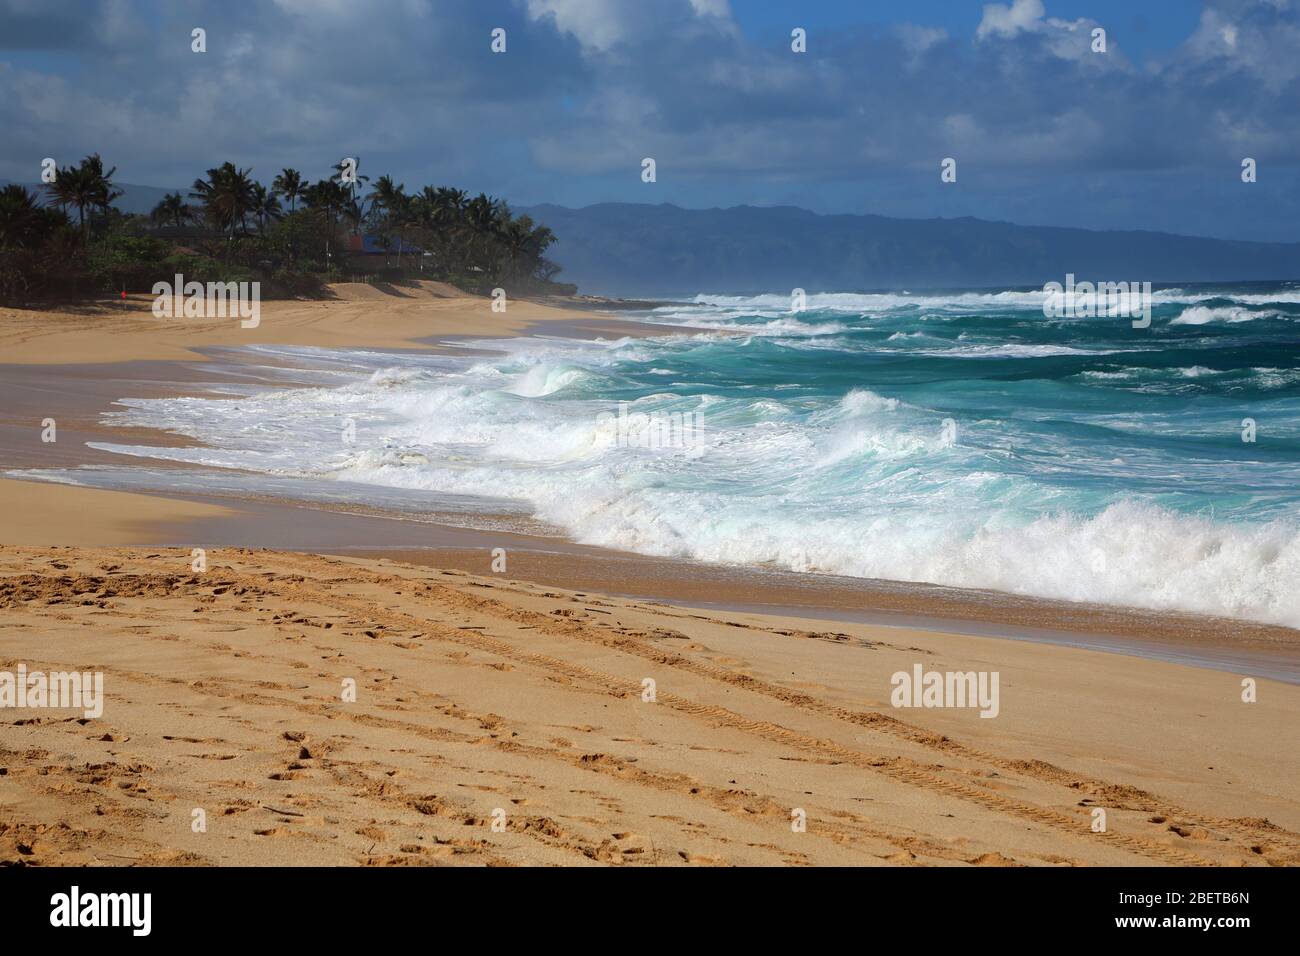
[(426, 201), (353, 212), (397, 207), (38, 245), (18, 215), (85, 186), (290, 185), (386, 194), (451, 204), (524, 244), (357, 210), (311, 195), (172, 209), (484, 216), (266, 206), (227, 196), (64, 187), (442, 213), (104, 191), (328, 196)]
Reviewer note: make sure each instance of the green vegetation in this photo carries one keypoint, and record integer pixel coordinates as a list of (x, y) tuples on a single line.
[(293, 236)]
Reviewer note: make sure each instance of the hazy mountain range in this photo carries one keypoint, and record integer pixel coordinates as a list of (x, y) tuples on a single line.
[(634, 249)]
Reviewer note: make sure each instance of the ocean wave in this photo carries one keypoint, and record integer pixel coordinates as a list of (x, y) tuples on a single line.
[(950, 532), (1193, 377), (1130, 554), (854, 454), (1018, 350), (1202, 315), (787, 325), (544, 379), (860, 401), (1034, 299)]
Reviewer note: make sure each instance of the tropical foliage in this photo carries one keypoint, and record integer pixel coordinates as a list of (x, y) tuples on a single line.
[(294, 235), (37, 244), (85, 187)]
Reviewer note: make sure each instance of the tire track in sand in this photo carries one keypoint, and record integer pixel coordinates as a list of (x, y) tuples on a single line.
[(1254, 832)]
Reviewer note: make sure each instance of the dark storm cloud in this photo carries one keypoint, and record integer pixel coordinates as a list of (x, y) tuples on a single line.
[(29, 25)]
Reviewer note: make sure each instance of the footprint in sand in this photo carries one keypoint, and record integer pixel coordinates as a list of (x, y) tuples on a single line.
[(699, 859)]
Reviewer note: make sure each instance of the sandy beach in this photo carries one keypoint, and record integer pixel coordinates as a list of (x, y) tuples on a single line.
[(505, 719), (355, 315)]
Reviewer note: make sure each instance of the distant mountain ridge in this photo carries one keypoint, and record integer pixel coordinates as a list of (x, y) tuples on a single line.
[(634, 249), (134, 198)]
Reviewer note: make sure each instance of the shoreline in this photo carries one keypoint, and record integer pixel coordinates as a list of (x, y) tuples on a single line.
[(79, 394), (522, 692), (233, 521)]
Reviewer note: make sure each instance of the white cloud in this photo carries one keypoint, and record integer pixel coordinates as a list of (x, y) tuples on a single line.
[(599, 25), (1260, 40), (917, 39), (345, 9), (712, 8), (596, 24), (1066, 39), (1005, 20)]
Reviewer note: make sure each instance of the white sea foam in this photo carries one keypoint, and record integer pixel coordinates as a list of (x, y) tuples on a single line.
[(856, 483), (1021, 350), (772, 325), (866, 303), (1202, 315)]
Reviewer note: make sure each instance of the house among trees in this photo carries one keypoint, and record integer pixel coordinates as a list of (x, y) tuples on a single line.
[(386, 247)]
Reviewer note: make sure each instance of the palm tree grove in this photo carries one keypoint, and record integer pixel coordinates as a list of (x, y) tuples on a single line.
[(294, 236)]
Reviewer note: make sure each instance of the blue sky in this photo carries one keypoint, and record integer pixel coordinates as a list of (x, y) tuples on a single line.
[(1150, 134)]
